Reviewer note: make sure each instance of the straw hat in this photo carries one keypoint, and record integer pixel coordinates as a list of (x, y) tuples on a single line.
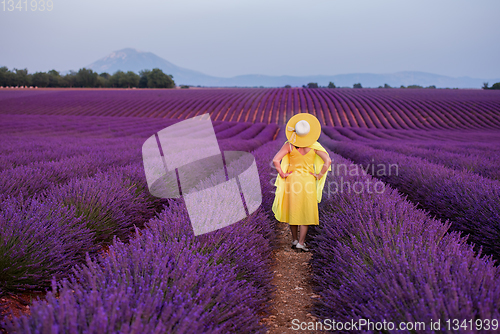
[(303, 129)]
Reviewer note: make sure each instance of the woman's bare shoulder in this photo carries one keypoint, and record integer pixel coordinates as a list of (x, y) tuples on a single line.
[(286, 146)]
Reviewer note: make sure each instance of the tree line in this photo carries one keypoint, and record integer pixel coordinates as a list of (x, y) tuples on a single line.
[(356, 85), (495, 86), (154, 78)]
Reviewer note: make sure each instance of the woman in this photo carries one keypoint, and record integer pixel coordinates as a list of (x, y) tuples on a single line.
[(298, 186)]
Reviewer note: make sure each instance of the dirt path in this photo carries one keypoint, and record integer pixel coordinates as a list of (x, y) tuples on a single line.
[(293, 298), (18, 304)]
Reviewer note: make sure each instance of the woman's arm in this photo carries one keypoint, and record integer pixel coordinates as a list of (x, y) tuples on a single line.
[(326, 165), (285, 149)]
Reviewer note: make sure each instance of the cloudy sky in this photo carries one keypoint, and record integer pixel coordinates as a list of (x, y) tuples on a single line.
[(274, 37)]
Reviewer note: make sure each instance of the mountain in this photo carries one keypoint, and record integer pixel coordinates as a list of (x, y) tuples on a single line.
[(134, 60), (129, 59)]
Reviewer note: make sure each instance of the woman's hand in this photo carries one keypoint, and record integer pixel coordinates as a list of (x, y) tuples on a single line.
[(317, 176), (286, 174)]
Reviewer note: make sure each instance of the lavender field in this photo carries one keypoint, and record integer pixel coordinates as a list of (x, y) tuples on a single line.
[(77, 222), (366, 108)]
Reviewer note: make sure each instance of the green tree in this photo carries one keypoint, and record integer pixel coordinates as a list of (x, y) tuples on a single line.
[(288, 86), (485, 85), (155, 78), (132, 79), (55, 79), (105, 75), (496, 86), (143, 81), (312, 85), (86, 78), (40, 79), (69, 80), (387, 86), (101, 82), (331, 85), (103, 79), (158, 79), (4, 76), (124, 80), (21, 77), (118, 79), (357, 85)]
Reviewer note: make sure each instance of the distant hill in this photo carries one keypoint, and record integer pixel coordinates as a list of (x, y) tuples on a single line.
[(134, 60)]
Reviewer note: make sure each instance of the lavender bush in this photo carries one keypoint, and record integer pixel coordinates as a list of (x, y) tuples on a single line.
[(39, 239), (32, 179), (234, 244), (167, 280), (267, 134), (233, 131), (367, 108), (146, 287), (484, 164), (252, 131), (378, 257), (107, 205), (469, 201)]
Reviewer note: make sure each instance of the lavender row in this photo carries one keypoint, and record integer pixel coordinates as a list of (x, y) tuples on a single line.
[(39, 239), (366, 108), (34, 178), (44, 235), (29, 180), (468, 200), (36, 151), (108, 212), (94, 126), (476, 152), (485, 165), (162, 281), (233, 131), (378, 257), (86, 138), (167, 280), (469, 140), (80, 126), (469, 147)]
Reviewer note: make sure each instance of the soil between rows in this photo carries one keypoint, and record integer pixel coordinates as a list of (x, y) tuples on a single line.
[(292, 303)]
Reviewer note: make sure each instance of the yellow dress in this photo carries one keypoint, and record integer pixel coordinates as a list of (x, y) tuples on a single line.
[(296, 196), (300, 205)]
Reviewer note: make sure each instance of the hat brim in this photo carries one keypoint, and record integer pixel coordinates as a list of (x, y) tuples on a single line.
[(311, 137)]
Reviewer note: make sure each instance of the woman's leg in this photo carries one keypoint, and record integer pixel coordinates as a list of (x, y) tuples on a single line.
[(293, 228), (303, 232)]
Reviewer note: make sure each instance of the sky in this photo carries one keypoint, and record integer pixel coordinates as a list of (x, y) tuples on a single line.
[(272, 37)]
